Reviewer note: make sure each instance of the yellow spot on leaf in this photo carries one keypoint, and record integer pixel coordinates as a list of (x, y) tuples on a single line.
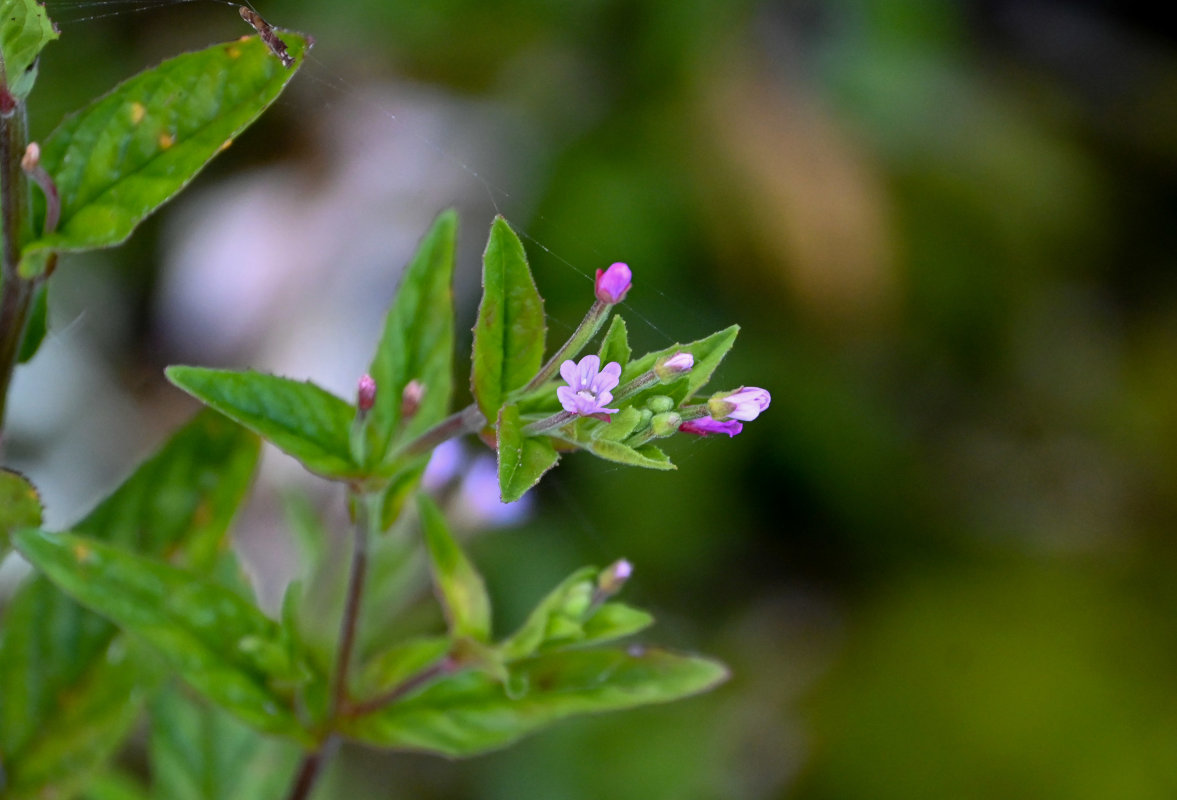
[(233, 51), (226, 144), (81, 553), (138, 112), (166, 140)]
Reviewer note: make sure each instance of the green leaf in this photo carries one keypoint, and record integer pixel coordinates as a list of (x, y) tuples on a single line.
[(301, 419), (509, 333), (615, 343), (418, 341), (20, 506), (522, 460), (219, 643), (115, 785), (648, 456), (70, 691), (459, 587), (470, 712), (37, 326), (25, 29), (126, 154), (179, 503), (570, 599), (199, 752), (615, 621), (708, 353)]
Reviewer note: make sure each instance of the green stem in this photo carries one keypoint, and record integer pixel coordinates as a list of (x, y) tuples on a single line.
[(15, 292), (584, 332)]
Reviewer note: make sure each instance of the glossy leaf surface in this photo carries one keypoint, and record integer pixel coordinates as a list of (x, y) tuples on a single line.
[(70, 692), (25, 29), (199, 752), (126, 154), (300, 418), (509, 333), (418, 341), (469, 712), (220, 644), (522, 460)]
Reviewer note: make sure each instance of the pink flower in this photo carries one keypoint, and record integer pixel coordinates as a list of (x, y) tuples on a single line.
[(743, 404), (589, 388), (613, 283), (705, 426)]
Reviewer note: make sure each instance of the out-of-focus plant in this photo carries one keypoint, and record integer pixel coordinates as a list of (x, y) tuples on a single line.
[(142, 594)]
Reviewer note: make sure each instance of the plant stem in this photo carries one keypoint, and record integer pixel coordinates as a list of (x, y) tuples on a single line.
[(369, 509), (15, 292), (407, 686), (308, 770)]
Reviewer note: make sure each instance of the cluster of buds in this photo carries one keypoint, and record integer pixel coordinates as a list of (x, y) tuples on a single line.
[(593, 388)]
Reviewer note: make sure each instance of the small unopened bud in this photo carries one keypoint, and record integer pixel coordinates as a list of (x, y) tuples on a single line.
[(671, 367), (411, 398), (660, 404), (612, 578), (366, 394), (31, 158), (613, 284), (665, 424)]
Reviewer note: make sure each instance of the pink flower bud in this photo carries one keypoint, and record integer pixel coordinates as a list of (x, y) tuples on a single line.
[(743, 404), (366, 394), (670, 367), (613, 283), (411, 398)]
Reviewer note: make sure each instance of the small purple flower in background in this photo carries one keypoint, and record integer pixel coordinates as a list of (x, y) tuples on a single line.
[(589, 388), (705, 426), (613, 283), (743, 404)]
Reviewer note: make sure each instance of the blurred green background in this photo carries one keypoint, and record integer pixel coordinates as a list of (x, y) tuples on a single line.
[(941, 565)]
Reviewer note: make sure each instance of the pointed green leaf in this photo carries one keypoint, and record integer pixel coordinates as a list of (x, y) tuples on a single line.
[(470, 712), (20, 506), (647, 456), (198, 752), (418, 341), (459, 587), (509, 333), (570, 599), (615, 621), (301, 419), (207, 633), (708, 353), (615, 344), (24, 30), (126, 154), (68, 690), (522, 460)]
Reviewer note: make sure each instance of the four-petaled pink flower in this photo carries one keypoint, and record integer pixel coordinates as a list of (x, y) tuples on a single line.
[(705, 426), (589, 388), (743, 404), (613, 283)]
